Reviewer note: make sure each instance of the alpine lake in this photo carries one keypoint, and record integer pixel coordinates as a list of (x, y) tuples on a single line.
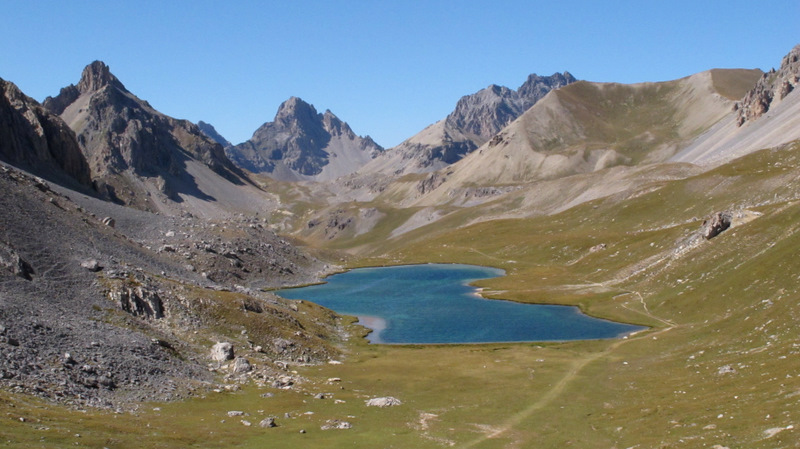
[(434, 304)]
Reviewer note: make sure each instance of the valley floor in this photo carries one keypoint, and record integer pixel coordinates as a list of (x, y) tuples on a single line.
[(718, 368)]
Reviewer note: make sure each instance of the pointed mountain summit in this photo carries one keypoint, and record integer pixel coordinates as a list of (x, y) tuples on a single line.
[(135, 151), (474, 121), (302, 144), (211, 132)]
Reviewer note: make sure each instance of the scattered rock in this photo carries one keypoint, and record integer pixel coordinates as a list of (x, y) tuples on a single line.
[(727, 369), (246, 423), (387, 401), (241, 365), (597, 248), (233, 413), (91, 265), (267, 422), (222, 351), (336, 424)]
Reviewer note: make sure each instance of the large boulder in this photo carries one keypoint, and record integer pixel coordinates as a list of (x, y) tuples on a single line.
[(387, 401), (222, 351), (716, 224)]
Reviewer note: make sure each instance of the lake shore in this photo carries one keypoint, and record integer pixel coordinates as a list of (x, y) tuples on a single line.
[(374, 323)]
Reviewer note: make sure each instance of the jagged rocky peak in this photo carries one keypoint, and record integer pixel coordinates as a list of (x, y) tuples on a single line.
[(296, 110), (302, 144), (536, 87), (96, 76), (773, 87), (484, 113)]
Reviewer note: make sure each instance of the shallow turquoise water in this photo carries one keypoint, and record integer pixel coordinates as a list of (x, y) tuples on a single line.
[(433, 304)]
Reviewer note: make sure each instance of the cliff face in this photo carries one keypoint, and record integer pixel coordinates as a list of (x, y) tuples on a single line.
[(301, 143), (121, 134), (35, 139), (772, 88)]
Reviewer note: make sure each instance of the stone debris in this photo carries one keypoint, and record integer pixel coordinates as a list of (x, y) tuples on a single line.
[(233, 413), (267, 423), (336, 424), (92, 265), (241, 365)]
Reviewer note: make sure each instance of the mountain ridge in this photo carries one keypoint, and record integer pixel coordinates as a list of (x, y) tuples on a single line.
[(136, 152), (475, 119), (302, 144)]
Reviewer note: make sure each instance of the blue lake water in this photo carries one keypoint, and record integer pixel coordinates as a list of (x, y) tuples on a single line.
[(425, 304)]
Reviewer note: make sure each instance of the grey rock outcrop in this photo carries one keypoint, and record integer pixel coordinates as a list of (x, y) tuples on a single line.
[(35, 139), (773, 87), (138, 301), (11, 261), (302, 144)]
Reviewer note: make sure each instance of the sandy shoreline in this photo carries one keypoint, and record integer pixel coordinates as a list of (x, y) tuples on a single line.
[(376, 324)]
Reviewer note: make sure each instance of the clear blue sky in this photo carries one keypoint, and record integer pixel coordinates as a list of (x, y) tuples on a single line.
[(389, 68)]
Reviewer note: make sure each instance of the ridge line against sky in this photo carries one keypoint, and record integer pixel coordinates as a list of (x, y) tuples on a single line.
[(389, 69)]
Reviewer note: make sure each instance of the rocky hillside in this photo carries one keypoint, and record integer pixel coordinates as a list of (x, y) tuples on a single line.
[(33, 138), (102, 304), (476, 119), (137, 155), (302, 144)]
